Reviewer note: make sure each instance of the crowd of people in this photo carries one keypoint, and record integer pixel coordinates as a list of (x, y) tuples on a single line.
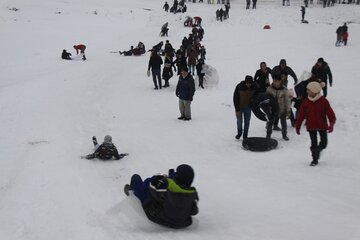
[(171, 200), (308, 97)]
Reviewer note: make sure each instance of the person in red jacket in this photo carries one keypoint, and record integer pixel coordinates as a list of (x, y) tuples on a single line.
[(318, 113), (81, 48)]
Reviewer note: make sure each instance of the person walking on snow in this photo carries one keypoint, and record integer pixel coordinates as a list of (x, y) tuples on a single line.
[(242, 98), (185, 90), (320, 119)]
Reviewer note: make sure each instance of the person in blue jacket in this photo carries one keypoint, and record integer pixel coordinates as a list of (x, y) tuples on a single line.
[(185, 91)]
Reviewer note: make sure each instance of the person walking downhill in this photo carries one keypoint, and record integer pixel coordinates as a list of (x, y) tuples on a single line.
[(320, 118), (242, 97)]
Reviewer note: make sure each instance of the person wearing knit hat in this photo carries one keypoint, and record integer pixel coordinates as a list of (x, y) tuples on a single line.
[(321, 70), (320, 119), (105, 151), (242, 98), (168, 200)]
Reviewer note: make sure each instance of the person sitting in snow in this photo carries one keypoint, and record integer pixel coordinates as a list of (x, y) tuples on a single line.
[(127, 53), (65, 55), (141, 47), (105, 151), (167, 200)]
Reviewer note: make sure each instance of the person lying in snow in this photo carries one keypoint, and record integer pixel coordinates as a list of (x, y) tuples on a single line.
[(167, 200), (105, 151)]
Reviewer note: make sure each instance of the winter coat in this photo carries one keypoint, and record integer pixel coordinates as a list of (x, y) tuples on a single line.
[(185, 88), (200, 68), (262, 79), (65, 55), (106, 151), (171, 204), (192, 56), (167, 70), (284, 71), (322, 72), (155, 62), (316, 114), (281, 95), (243, 95), (80, 47)]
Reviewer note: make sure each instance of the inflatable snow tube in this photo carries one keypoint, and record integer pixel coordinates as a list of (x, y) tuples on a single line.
[(264, 106), (259, 144)]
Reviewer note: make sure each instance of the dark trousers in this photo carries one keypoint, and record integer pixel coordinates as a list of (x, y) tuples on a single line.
[(314, 140), (270, 124), (325, 91), (140, 187), (316, 148), (156, 74)]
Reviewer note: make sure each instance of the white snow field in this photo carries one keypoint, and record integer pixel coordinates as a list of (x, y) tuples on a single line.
[(50, 108)]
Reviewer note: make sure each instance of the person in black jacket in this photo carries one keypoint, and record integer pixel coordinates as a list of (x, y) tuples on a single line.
[(105, 151), (167, 200), (200, 71), (65, 55), (167, 70), (284, 71), (322, 71), (155, 63), (262, 77), (243, 95), (185, 90)]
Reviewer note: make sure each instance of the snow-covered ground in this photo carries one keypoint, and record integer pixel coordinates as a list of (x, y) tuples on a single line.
[(50, 109)]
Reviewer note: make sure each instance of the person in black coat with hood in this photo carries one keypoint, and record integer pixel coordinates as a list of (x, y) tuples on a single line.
[(167, 200)]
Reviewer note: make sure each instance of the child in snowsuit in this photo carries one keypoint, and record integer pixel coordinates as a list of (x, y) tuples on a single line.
[(167, 200), (106, 150), (317, 112)]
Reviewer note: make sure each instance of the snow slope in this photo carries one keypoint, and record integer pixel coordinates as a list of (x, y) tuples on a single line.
[(50, 109)]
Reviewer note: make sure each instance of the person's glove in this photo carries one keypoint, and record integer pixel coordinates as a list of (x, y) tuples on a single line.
[(148, 73), (331, 128), (298, 131)]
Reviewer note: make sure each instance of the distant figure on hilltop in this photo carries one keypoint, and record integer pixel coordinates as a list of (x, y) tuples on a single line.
[(166, 7), (302, 13)]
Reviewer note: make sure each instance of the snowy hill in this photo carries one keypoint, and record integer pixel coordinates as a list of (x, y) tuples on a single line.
[(50, 109)]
